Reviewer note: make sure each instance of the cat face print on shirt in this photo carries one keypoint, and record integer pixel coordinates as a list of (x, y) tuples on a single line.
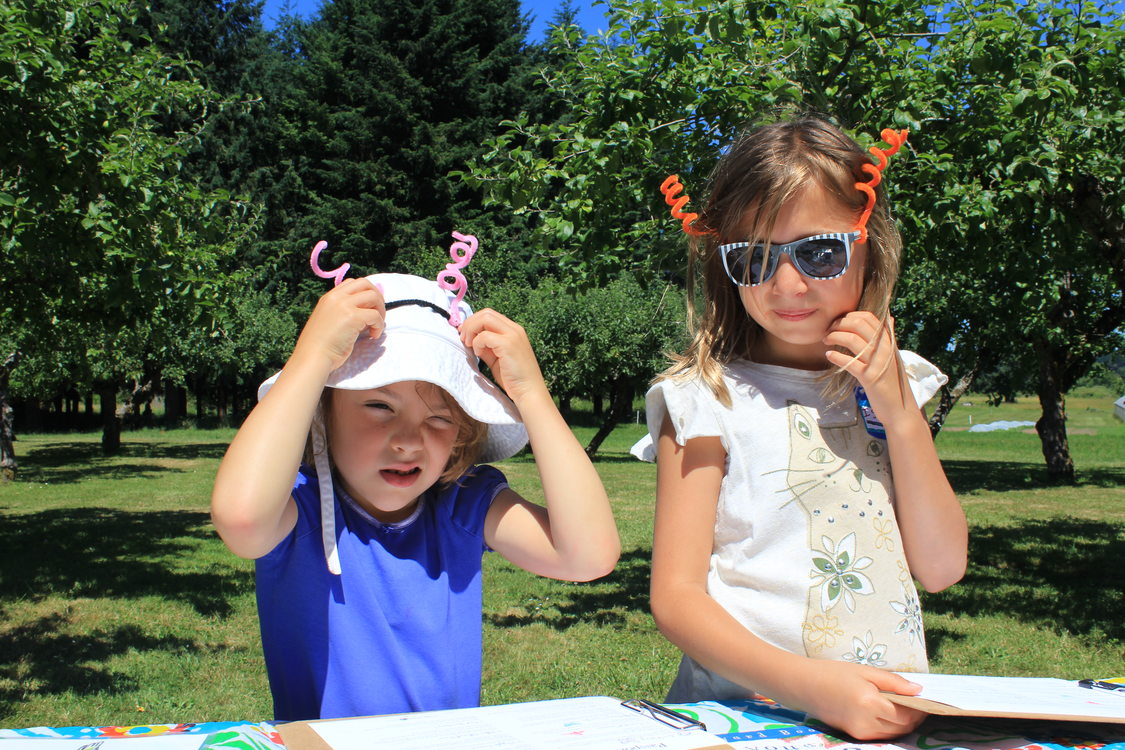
[(861, 605)]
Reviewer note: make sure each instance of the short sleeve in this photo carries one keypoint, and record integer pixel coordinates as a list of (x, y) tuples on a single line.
[(689, 406), (467, 500), (306, 494), (925, 379)]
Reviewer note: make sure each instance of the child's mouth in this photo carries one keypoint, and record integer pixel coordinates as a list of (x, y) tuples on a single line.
[(794, 315), (400, 477)]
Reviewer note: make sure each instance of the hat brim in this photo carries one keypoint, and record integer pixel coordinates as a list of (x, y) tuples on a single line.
[(411, 354)]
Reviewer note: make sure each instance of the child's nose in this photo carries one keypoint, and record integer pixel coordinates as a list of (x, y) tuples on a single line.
[(787, 279), (407, 436)]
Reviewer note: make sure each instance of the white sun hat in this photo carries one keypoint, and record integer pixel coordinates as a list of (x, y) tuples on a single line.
[(418, 342)]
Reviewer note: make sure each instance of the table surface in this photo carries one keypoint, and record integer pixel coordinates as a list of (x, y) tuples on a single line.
[(761, 725)]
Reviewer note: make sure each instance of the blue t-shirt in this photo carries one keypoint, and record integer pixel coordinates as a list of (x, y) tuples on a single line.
[(400, 629)]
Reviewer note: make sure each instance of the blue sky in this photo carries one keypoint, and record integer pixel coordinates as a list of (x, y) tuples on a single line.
[(590, 17)]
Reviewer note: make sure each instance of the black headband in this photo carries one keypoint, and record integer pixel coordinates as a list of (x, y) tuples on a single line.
[(421, 303)]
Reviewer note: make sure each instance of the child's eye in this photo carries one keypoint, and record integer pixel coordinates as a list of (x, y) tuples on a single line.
[(378, 405), (439, 420)]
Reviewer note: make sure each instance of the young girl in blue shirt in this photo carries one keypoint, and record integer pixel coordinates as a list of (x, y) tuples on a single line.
[(353, 484)]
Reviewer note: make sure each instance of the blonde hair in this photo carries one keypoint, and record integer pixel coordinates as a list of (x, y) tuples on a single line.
[(765, 168), (467, 446)]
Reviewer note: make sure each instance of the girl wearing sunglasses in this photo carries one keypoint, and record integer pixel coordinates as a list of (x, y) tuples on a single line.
[(786, 551)]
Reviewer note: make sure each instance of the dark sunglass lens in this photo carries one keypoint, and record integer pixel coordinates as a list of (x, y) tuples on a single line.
[(822, 258), (735, 256), (756, 256), (732, 257)]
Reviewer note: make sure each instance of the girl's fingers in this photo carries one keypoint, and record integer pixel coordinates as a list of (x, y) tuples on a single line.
[(865, 325), (368, 294), (844, 361), (490, 321), (375, 322), (894, 683), (484, 345), (853, 342)]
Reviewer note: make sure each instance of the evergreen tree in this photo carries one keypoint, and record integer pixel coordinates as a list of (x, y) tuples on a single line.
[(393, 96)]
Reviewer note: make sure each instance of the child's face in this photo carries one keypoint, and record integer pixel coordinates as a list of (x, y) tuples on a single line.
[(390, 444), (793, 310)]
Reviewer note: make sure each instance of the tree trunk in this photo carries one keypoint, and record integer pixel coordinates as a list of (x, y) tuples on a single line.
[(620, 403), (175, 402), (197, 386), (221, 398), (1051, 426), (8, 464), (111, 421), (949, 398)]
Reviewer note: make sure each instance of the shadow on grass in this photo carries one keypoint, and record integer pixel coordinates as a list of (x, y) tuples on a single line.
[(616, 458), (104, 553), (937, 637), (65, 463), (56, 663), (1003, 476), (606, 602), (603, 457), (1060, 573)]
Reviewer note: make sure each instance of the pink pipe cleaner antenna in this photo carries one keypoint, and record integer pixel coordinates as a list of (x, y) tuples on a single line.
[(336, 273), (451, 279)]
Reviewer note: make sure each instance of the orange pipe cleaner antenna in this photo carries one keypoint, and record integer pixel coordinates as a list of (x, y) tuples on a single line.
[(670, 188), (875, 172)]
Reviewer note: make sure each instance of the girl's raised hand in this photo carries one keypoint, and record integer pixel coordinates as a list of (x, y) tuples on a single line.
[(503, 345), (339, 318), (873, 362)]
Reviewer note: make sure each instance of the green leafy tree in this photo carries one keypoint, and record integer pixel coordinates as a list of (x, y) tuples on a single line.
[(386, 99), (1011, 218), (231, 54), (103, 240), (603, 344), (237, 150), (251, 338), (666, 87), (1017, 197)]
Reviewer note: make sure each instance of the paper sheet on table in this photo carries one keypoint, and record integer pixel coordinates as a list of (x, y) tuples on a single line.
[(1031, 697), (590, 723)]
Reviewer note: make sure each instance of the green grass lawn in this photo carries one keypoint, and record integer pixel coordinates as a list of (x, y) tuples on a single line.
[(119, 605)]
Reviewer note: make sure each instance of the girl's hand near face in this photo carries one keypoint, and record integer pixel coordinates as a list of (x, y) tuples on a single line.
[(503, 345), (340, 317), (933, 526), (873, 362)]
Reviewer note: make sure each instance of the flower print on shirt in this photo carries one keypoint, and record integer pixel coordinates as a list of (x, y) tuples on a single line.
[(911, 611), (865, 652), (836, 569)]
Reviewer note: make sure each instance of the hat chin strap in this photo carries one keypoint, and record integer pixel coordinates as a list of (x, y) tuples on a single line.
[(327, 506)]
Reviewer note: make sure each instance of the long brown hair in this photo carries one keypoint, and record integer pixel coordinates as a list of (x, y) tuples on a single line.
[(766, 167)]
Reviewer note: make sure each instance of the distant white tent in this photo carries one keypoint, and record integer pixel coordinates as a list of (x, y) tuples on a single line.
[(1119, 408)]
